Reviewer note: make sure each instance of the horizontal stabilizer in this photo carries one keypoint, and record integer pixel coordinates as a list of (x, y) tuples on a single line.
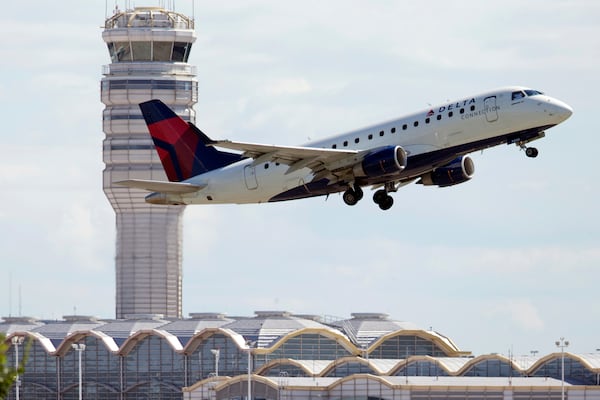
[(161, 186)]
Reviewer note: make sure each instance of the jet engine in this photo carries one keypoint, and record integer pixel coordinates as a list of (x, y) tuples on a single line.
[(458, 171), (382, 161)]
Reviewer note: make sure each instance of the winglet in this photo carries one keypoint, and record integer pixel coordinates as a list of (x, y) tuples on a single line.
[(183, 149)]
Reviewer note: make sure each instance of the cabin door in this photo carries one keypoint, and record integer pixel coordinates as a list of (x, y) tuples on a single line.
[(250, 177), (491, 109)]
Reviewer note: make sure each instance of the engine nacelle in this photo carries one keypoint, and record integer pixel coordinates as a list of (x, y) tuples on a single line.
[(382, 161), (458, 171)]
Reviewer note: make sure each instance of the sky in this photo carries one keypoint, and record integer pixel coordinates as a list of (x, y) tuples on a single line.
[(507, 261)]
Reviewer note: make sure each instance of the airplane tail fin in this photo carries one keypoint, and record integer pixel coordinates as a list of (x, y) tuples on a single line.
[(183, 149)]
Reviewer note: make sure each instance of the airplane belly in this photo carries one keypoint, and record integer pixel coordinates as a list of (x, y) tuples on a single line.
[(249, 184)]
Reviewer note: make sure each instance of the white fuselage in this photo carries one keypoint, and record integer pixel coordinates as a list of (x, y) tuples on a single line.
[(476, 120)]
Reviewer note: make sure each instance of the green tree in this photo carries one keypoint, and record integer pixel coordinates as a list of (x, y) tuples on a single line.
[(8, 374)]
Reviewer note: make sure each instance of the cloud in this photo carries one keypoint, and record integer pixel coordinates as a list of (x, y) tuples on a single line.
[(521, 312), (290, 86)]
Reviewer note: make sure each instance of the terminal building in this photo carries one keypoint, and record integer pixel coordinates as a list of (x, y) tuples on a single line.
[(208, 357)]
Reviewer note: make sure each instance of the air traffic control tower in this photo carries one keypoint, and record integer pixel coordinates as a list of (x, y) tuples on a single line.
[(149, 49)]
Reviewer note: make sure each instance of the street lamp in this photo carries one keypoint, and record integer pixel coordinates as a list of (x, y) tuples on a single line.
[(250, 344), (216, 353), (17, 341), (79, 347), (562, 343)]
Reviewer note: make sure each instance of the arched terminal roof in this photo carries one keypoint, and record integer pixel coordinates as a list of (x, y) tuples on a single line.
[(185, 329), (8, 325), (268, 327), (57, 331), (121, 330), (366, 328), (266, 332)]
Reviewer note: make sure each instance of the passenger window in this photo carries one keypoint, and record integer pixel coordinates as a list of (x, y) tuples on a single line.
[(427, 120), (393, 130), (450, 114), (381, 133), (334, 146), (356, 140), (462, 110), (404, 127), (370, 136), (416, 123), (439, 117), (472, 108), (345, 143)]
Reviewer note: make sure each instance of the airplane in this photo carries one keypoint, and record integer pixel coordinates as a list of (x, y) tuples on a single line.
[(428, 147)]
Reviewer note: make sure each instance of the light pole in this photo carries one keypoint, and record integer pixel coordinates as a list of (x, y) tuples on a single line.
[(562, 343), (79, 347), (250, 343), (216, 353), (17, 341)]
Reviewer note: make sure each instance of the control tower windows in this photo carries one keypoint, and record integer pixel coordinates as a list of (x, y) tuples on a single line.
[(119, 51), (181, 51), (149, 51), (161, 51), (141, 51)]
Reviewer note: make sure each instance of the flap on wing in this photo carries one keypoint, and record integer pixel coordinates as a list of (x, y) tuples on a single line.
[(161, 186), (291, 155)]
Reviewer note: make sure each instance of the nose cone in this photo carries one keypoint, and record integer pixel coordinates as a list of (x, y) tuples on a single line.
[(559, 110)]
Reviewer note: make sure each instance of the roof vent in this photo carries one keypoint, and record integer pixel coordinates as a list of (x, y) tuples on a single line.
[(267, 314), (367, 315), (80, 318), (144, 317), (207, 315), (20, 320)]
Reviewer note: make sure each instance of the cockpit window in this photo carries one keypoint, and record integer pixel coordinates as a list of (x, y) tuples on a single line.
[(518, 95), (531, 92)]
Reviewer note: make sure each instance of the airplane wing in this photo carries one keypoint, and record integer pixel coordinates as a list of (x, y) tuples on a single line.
[(323, 162), (161, 186)]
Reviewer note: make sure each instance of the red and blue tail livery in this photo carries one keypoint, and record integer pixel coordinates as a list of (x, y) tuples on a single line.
[(429, 147), (182, 147)]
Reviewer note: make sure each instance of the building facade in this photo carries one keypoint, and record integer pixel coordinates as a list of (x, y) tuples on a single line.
[(207, 356), (149, 49)]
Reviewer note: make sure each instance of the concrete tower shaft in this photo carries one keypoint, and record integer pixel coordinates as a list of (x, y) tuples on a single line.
[(149, 49)]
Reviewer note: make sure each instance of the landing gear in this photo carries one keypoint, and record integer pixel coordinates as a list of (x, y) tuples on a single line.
[(383, 199), (353, 195), (531, 152)]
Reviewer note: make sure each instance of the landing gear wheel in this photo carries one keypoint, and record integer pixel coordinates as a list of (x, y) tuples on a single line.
[(379, 196), (386, 203), (359, 193), (531, 152), (351, 196), (383, 199)]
